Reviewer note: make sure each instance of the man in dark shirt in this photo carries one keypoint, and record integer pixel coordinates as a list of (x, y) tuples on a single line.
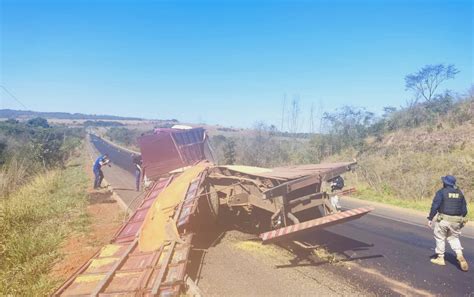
[(137, 162), (97, 169), (450, 205)]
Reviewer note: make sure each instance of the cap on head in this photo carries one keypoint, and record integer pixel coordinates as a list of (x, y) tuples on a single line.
[(449, 180)]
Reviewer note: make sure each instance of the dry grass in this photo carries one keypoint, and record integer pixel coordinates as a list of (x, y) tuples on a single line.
[(33, 223), (405, 167), (12, 175)]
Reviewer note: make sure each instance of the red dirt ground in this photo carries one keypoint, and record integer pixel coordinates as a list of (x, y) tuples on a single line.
[(105, 218)]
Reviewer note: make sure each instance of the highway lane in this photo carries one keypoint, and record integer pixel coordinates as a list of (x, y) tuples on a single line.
[(387, 254), (121, 175), (118, 156), (397, 253)]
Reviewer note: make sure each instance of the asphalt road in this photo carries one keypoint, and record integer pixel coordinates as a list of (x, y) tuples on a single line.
[(397, 253), (121, 174), (118, 156), (387, 251)]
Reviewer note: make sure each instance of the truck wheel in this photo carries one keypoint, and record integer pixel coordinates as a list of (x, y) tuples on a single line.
[(213, 202)]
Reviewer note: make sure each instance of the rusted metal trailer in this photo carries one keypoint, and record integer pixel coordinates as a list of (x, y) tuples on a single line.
[(148, 255), (271, 198), (276, 198)]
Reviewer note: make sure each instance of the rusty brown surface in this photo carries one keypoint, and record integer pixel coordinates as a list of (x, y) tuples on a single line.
[(298, 171), (136, 275), (291, 231), (169, 149), (130, 229)]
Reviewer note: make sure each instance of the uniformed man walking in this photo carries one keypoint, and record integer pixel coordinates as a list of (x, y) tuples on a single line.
[(450, 205)]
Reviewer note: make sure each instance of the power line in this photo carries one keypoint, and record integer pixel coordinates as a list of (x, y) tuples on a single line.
[(13, 96)]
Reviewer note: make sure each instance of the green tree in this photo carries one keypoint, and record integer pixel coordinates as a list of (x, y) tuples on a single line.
[(229, 152), (426, 81), (38, 122)]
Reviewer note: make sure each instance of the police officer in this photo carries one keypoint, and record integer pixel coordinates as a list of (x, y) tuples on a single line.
[(450, 205)]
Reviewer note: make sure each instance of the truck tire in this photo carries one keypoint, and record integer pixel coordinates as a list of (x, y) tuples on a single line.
[(213, 202)]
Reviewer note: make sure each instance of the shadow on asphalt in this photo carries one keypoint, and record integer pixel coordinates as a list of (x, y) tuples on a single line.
[(335, 249)]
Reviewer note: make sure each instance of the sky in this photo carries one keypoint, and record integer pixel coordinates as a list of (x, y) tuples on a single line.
[(225, 62)]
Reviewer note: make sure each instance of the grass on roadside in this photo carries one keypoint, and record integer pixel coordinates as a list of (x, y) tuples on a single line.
[(366, 193), (34, 221)]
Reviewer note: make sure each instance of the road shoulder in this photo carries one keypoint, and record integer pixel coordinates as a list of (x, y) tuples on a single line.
[(399, 214)]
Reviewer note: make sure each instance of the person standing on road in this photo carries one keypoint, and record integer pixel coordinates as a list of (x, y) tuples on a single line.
[(97, 169), (137, 162), (450, 205)]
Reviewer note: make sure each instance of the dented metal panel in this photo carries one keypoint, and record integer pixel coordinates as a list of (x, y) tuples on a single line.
[(170, 149)]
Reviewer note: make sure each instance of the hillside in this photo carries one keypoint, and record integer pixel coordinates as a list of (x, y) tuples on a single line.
[(409, 162), (26, 114), (404, 167)]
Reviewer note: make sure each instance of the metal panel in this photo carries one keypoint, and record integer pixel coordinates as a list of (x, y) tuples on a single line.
[(83, 285), (189, 203), (170, 149), (160, 154), (130, 229), (298, 171), (301, 228)]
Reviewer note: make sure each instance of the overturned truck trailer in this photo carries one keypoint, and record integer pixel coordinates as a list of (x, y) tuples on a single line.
[(272, 199), (282, 202), (149, 254)]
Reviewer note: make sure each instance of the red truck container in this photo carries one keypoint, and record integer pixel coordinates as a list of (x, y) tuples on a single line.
[(168, 149)]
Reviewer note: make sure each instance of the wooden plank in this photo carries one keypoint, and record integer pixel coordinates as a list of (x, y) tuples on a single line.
[(111, 273)]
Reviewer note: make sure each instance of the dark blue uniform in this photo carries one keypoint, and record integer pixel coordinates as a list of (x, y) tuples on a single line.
[(97, 169), (449, 201)]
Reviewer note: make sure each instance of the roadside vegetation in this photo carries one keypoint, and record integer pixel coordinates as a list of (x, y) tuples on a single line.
[(43, 200), (124, 136), (127, 136)]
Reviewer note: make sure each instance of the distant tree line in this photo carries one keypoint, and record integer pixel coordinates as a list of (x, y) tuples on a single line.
[(11, 113), (102, 124), (33, 146)]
